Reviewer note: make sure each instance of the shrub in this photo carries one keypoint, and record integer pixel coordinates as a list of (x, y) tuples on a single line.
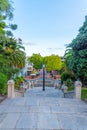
[(18, 81), (68, 78), (69, 82), (3, 83), (66, 75)]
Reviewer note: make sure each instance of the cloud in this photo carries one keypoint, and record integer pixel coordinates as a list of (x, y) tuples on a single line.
[(28, 43), (54, 49)]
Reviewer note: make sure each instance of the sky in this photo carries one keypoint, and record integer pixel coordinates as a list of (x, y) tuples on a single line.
[(46, 26)]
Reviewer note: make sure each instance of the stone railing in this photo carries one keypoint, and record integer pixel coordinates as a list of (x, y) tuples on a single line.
[(57, 84), (69, 94), (19, 93), (74, 94), (12, 92)]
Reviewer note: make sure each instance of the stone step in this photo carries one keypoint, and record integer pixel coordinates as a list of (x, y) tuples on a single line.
[(43, 110), (40, 83)]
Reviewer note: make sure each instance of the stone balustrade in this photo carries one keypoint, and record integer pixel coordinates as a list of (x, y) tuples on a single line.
[(15, 93)]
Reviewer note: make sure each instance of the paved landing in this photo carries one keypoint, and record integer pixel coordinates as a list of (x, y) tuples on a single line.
[(49, 92), (38, 111)]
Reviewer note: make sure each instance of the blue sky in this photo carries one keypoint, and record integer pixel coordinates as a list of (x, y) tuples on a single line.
[(45, 26)]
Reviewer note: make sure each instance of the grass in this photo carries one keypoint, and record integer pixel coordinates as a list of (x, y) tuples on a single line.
[(71, 88), (84, 93)]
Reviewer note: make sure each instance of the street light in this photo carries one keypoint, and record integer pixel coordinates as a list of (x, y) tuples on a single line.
[(43, 77)]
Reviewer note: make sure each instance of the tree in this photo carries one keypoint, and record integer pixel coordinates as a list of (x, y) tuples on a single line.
[(12, 55), (6, 13), (77, 62), (14, 52), (37, 60), (6, 9), (3, 83), (53, 62)]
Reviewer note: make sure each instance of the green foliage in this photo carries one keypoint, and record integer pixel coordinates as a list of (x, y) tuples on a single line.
[(3, 83), (83, 53), (71, 88), (69, 83), (12, 55), (18, 81), (76, 56), (9, 33), (34, 72), (65, 75), (2, 24), (68, 78), (8, 71), (6, 12), (6, 9), (13, 26), (37, 60), (84, 93), (53, 62)]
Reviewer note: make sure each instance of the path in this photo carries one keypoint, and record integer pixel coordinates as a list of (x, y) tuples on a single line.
[(43, 111)]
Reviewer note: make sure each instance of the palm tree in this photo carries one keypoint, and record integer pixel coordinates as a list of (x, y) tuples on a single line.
[(14, 53)]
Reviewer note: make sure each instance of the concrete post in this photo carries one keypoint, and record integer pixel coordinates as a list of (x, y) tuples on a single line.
[(29, 84), (11, 93), (78, 86), (64, 88), (32, 84)]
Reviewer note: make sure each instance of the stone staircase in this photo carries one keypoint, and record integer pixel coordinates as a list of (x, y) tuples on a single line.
[(48, 83), (43, 110)]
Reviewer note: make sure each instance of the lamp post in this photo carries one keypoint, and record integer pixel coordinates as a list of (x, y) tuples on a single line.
[(43, 77)]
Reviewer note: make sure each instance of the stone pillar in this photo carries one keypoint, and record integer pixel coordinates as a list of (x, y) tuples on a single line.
[(64, 88), (78, 86), (29, 84), (11, 93), (32, 84), (57, 85)]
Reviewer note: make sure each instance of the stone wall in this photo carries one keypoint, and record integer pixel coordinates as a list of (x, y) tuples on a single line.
[(19, 93), (69, 94)]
